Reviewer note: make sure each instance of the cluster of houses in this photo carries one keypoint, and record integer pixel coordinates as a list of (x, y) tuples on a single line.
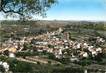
[(56, 42), (11, 46)]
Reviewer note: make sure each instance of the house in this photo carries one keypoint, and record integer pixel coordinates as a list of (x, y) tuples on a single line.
[(85, 55), (11, 55)]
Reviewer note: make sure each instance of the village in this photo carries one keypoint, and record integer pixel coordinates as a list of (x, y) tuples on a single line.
[(57, 43)]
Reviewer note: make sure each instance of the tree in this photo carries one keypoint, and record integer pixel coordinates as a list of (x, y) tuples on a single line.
[(25, 8), (2, 69)]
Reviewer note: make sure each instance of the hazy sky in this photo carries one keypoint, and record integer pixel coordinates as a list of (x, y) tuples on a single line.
[(77, 10)]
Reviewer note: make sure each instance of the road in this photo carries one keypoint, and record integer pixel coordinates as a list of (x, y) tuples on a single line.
[(35, 59)]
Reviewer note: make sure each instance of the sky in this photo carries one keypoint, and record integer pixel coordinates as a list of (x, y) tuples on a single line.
[(93, 10), (78, 10)]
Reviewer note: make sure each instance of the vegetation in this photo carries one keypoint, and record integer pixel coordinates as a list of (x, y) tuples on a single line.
[(20, 66), (87, 25), (35, 53), (25, 8)]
